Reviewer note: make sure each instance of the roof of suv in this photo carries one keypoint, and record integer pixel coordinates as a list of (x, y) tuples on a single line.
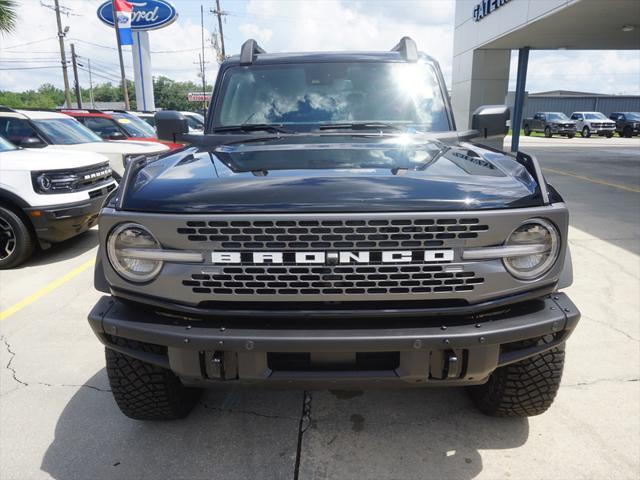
[(32, 114), (326, 57), (405, 51)]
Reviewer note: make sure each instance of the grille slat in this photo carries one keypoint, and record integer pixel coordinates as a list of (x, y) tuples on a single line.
[(328, 280), (332, 234)]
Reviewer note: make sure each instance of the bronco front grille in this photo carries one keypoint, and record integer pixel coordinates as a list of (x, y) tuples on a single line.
[(331, 234), (331, 280)]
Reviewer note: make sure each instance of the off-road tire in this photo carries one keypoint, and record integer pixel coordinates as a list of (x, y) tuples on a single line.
[(522, 389), (627, 132), (144, 391), (609, 135), (586, 133), (570, 135), (527, 130), (547, 132), (22, 238)]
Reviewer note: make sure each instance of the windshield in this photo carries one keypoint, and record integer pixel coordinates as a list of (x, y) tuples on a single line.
[(595, 116), (150, 119), (307, 95), (554, 117), (66, 131), (6, 145), (195, 121), (134, 126)]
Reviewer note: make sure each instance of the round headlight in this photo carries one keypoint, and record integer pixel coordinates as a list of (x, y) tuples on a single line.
[(533, 232), (123, 241), (44, 182)]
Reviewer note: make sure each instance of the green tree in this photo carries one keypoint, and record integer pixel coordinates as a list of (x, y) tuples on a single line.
[(8, 16)]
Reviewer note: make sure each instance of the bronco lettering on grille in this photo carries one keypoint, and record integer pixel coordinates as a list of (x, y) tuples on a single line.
[(333, 258)]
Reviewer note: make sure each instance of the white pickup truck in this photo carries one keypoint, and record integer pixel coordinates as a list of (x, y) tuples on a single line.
[(47, 196), (593, 123)]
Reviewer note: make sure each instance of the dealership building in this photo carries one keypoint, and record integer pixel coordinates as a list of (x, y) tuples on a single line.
[(487, 31)]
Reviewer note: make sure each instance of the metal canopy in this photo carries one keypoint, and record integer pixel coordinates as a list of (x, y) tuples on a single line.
[(582, 25)]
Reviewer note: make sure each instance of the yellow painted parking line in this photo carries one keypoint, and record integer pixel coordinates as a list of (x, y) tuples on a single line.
[(46, 289), (593, 180)]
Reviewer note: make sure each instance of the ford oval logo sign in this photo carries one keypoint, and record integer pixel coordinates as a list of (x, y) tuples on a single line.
[(146, 15)]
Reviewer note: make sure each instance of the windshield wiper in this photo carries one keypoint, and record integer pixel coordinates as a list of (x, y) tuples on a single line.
[(361, 126), (254, 127)]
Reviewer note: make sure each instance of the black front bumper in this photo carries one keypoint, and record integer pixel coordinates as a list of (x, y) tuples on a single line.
[(57, 223), (433, 351)]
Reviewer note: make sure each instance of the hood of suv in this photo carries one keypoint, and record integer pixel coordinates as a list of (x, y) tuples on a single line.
[(332, 174), (31, 159), (121, 147)]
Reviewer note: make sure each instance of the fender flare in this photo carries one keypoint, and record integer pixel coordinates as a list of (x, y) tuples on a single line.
[(566, 276), (12, 198)]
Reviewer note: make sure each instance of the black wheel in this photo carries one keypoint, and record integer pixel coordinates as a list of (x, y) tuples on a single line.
[(609, 135), (522, 389), (527, 130), (571, 135), (144, 391), (16, 239), (627, 132), (586, 133), (547, 132)]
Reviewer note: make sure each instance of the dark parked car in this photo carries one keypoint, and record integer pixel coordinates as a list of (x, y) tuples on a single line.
[(627, 123), (331, 228), (550, 123)]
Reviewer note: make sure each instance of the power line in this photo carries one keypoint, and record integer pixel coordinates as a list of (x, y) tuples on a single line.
[(28, 43), (111, 79), (29, 68)]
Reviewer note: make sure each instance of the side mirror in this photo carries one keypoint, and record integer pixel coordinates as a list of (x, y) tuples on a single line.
[(117, 136), (32, 142), (171, 126), (490, 120)]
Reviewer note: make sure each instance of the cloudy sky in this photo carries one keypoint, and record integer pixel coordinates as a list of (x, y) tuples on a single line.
[(30, 57)]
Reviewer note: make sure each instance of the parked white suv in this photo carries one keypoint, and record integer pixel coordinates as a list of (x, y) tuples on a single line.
[(593, 123), (47, 196), (41, 128)]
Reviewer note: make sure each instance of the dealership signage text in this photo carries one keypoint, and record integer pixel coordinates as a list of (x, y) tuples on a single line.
[(485, 7)]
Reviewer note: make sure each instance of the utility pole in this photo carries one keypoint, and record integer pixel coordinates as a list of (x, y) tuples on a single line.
[(204, 82), (123, 78), (90, 79), (90, 84), (63, 58), (75, 76), (220, 14)]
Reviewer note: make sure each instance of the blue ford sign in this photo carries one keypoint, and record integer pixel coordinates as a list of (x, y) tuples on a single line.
[(146, 15)]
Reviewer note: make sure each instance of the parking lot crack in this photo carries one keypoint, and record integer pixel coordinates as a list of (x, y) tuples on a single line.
[(247, 412), (611, 327), (303, 426), (602, 380), (14, 373), (9, 366)]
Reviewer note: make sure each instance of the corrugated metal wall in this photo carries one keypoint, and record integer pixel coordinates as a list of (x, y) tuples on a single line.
[(571, 104)]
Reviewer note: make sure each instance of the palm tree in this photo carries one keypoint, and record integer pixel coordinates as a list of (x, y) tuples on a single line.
[(8, 16)]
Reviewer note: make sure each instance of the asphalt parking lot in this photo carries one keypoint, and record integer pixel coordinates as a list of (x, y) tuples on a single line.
[(58, 419)]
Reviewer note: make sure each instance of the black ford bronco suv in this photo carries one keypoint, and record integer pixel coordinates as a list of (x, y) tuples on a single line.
[(331, 227)]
